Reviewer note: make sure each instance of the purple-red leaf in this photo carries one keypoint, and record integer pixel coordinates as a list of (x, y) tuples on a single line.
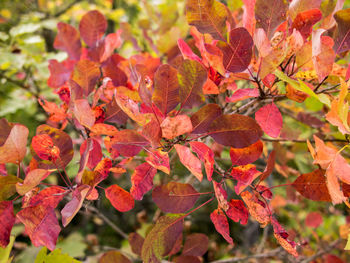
[(7, 219), (68, 39), (136, 242), (128, 142), (342, 39), (175, 197), (202, 119), (92, 149), (235, 130), (195, 245)]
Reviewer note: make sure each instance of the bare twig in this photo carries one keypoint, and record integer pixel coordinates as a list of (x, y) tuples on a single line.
[(322, 252)]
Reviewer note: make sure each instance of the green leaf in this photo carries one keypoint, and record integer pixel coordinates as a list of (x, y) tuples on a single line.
[(5, 252), (54, 257)]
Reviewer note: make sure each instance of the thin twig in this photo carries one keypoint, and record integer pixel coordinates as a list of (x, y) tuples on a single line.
[(322, 252)]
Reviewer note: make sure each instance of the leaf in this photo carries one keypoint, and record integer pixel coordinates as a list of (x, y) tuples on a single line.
[(342, 38), (269, 167), (62, 141), (48, 197), (111, 70), (7, 219), (221, 224), (202, 119), (247, 155), (175, 197), (313, 219), (235, 130), (270, 14), (313, 186), (256, 210), (129, 142), (92, 27), (272, 60), (166, 88), (68, 39), (92, 148), (114, 113), (305, 20), (237, 211), (113, 256), (248, 19), (136, 242), (32, 179), (282, 237), (73, 206), (13, 142), (142, 180), (244, 175), (338, 115), (186, 259), (208, 16), (176, 126), (44, 147), (298, 6), (5, 252), (119, 198), (195, 245), (206, 155), (41, 225), (54, 256), (238, 52), (8, 186), (191, 162), (270, 120), (159, 160), (161, 239), (86, 74), (186, 51), (59, 72), (243, 94), (191, 76), (83, 113)]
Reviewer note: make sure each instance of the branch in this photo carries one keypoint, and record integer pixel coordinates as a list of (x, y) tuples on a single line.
[(322, 252), (107, 221), (268, 254)]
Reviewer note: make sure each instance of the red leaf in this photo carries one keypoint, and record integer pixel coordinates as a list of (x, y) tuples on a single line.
[(247, 155), (112, 70), (243, 94), (136, 242), (313, 219), (270, 14), (235, 130), (269, 167), (13, 142), (191, 162), (129, 142), (68, 39), (105, 47), (113, 256), (191, 76), (159, 160), (244, 175), (237, 211), (93, 151), (32, 179), (202, 119), (313, 186), (282, 237), (186, 51), (332, 259), (304, 21), (119, 198), (221, 196), (238, 53), (166, 89), (270, 120), (59, 72), (175, 197), (48, 197), (44, 147), (176, 126), (7, 219), (206, 155), (142, 180), (41, 225), (221, 225), (73, 206), (195, 245), (255, 208), (114, 113), (92, 27)]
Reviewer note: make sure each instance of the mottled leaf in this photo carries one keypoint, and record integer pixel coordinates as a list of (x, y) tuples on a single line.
[(237, 211), (8, 186), (259, 212), (245, 175), (304, 21)]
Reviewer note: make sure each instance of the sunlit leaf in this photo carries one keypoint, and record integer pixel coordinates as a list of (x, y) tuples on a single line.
[(92, 27), (119, 198)]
